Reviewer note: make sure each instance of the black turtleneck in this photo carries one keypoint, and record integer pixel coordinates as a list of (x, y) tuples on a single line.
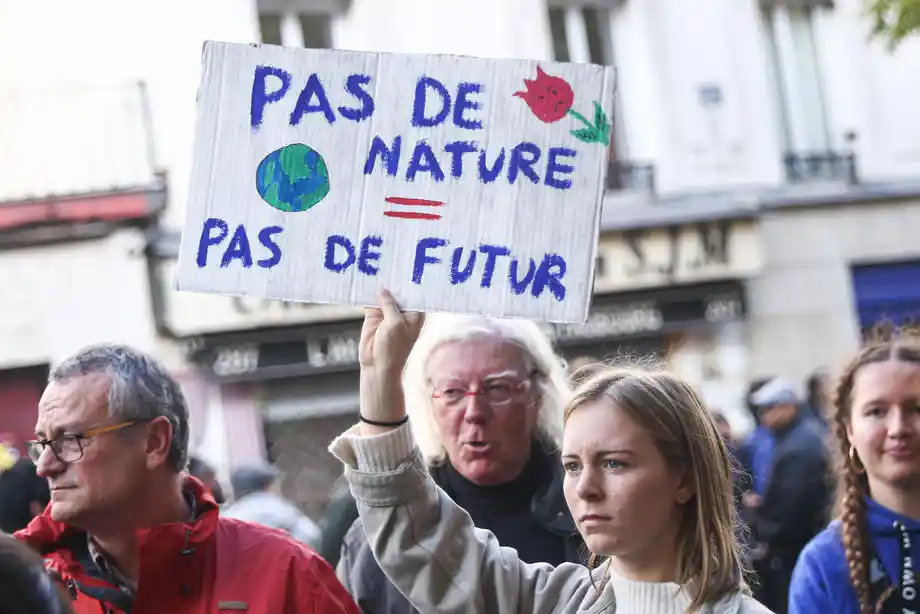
[(506, 509)]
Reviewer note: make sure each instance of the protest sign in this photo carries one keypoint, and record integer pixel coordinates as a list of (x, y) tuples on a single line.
[(461, 184)]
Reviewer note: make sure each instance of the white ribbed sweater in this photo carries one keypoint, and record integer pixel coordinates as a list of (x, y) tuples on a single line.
[(648, 597)]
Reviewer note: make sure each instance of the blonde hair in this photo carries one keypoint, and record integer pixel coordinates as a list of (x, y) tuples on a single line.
[(709, 557), (552, 389)]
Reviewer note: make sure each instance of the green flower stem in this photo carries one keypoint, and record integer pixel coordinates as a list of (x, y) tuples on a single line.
[(581, 118)]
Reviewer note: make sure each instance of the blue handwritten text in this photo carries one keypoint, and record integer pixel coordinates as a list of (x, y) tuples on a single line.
[(422, 118), (214, 233), (341, 254), (522, 273), (270, 85), (459, 158)]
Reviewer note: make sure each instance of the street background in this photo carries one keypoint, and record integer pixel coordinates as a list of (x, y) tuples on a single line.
[(763, 200)]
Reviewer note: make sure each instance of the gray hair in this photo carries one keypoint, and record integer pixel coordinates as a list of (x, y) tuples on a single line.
[(552, 386), (140, 388)]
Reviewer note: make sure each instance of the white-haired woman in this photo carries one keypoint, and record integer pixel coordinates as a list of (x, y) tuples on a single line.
[(487, 397)]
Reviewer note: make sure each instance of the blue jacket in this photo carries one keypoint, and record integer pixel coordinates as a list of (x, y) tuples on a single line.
[(756, 455), (821, 578)]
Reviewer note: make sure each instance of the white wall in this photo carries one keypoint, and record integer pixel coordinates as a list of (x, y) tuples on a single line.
[(666, 52), (57, 299), (66, 45), (871, 91), (484, 28)]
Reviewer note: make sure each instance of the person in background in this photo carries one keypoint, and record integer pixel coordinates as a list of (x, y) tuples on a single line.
[(817, 397), (739, 475), (741, 482), (647, 480), (725, 429), (25, 587), (756, 452), (127, 529), (257, 498), (206, 475), (487, 396), (794, 505), (340, 514), (866, 560), (23, 495)]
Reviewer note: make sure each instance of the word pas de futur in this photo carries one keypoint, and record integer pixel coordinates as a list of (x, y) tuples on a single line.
[(464, 264)]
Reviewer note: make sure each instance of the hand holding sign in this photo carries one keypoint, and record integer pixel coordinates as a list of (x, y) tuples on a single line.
[(387, 338), (323, 175)]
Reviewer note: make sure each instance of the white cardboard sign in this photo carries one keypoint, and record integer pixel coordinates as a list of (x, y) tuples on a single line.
[(461, 184)]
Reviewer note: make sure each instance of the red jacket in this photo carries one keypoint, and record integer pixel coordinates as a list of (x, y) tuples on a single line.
[(258, 570)]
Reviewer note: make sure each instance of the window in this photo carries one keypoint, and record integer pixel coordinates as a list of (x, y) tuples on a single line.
[(270, 28), (297, 23), (316, 31), (797, 80), (582, 31)]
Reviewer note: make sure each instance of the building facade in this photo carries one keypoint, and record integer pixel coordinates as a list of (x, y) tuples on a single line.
[(763, 184), (78, 194)]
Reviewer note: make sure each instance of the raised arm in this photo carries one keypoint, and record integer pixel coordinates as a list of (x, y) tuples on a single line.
[(424, 542)]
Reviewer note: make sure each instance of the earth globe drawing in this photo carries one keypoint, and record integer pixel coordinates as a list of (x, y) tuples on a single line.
[(293, 178)]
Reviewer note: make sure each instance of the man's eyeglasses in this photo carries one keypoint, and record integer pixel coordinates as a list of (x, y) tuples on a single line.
[(496, 393), (68, 448)]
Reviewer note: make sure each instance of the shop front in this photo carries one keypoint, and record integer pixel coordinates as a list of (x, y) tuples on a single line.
[(697, 331), (676, 292), (301, 388), (649, 321)]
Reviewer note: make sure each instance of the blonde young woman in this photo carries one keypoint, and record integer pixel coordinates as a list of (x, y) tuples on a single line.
[(648, 481)]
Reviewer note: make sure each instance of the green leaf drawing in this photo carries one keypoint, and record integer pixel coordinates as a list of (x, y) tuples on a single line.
[(596, 132), (602, 124), (585, 135)]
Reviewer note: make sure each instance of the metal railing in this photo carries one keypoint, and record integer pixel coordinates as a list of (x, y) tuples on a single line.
[(805, 166)]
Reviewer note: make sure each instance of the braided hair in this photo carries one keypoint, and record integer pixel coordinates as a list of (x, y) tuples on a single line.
[(853, 486)]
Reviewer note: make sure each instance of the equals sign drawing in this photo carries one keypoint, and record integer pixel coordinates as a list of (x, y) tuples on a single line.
[(413, 202)]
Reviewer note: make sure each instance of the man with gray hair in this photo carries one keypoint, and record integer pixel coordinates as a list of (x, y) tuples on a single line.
[(795, 500), (127, 528)]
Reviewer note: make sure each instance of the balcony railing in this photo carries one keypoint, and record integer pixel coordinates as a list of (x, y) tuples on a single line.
[(803, 167), (623, 175), (73, 141)]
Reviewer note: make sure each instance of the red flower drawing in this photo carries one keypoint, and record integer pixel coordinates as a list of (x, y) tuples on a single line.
[(551, 98)]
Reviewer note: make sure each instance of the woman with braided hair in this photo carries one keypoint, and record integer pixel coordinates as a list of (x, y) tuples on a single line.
[(864, 562)]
